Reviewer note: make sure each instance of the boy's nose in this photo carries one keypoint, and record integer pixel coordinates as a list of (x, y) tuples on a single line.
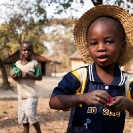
[(101, 47)]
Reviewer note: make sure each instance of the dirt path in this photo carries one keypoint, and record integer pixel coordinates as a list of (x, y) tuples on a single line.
[(44, 87), (51, 121)]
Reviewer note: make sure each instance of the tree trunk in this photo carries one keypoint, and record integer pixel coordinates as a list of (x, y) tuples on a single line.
[(6, 83)]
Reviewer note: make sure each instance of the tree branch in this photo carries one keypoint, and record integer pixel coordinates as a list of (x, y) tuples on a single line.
[(97, 2)]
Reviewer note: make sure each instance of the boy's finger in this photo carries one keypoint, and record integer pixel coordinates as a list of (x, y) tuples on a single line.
[(114, 103)]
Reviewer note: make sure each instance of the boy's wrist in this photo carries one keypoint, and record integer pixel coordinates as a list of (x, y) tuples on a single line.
[(76, 100), (81, 98)]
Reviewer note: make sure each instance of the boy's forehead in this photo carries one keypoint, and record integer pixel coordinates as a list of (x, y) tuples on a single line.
[(106, 20), (111, 23), (26, 44)]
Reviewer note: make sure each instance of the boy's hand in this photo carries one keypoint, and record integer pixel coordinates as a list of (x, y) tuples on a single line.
[(110, 100), (98, 97), (26, 74), (119, 104), (30, 75), (13, 75)]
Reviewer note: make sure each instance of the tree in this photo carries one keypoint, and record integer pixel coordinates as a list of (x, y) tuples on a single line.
[(59, 37), (23, 20), (27, 19)]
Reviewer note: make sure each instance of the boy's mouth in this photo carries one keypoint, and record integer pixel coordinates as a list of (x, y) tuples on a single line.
[(102, 58)]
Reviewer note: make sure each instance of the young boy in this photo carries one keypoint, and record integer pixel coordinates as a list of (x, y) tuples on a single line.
[(27, 96), (100, 94)]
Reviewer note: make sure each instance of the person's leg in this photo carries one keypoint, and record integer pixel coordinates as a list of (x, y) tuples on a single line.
[(31, 113), (22, 118), (26, 127), (37, 127)]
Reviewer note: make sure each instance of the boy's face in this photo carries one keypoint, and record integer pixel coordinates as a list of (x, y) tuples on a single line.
[(26, 51), (104, 43)]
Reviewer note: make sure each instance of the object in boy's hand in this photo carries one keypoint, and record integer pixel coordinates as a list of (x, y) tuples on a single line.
[(110, 100), (16, 70)]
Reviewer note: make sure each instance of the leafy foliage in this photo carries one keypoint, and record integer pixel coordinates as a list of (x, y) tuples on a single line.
[(26, 20), (23, 21), (60, 39)]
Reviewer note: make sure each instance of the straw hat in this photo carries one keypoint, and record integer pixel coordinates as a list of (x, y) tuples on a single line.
[(80, 30)]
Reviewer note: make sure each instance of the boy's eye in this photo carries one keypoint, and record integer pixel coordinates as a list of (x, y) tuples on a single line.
[(27, 50), (109, 41), (92, 43)]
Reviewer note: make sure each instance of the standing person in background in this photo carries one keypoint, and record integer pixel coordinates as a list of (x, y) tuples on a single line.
[(25, 72), (100, 94)]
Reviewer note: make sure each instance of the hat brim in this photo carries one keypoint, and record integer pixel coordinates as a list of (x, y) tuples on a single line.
[(81, 27)]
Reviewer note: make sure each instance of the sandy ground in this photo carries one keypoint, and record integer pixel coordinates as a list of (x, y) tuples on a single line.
[(51, 121)]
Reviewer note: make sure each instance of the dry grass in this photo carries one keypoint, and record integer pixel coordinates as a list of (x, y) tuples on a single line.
[(51, 121)]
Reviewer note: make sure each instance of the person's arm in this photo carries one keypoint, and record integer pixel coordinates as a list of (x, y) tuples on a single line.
[(65, 95), (121, 103), (37, 73), (13, 75), (65, 92), (130, 106), (31, 76), (61, 102), (130, 100)]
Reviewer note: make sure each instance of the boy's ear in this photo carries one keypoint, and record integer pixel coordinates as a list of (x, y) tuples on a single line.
[(123, 47)]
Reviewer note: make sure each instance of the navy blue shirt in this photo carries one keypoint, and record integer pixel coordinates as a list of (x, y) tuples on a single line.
[(94, 118)]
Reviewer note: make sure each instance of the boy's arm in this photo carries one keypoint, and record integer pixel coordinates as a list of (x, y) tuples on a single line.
[(121, 103), (31, 76), (37, 73), (130, 98), (13, 75), (129, 104), (61, 102), (65, 92)]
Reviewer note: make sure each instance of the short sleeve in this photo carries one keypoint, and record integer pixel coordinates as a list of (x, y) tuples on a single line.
[(37, 70), (67, 86), (131, 90), (129, 86)]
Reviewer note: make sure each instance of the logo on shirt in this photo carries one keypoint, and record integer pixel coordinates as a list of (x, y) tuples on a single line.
[(92, 110), (106, 111)]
